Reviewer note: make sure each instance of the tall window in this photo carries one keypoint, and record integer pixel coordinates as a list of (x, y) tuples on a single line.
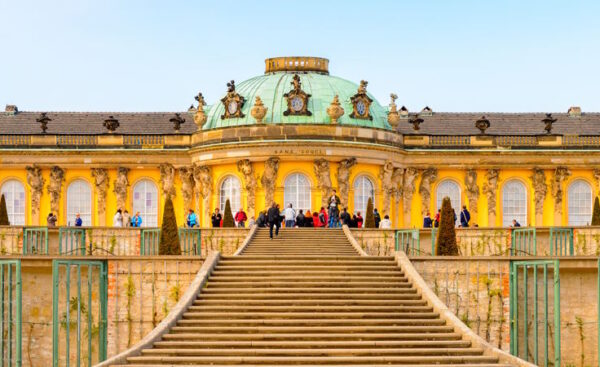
[(580, 203), (514, 203), (79, 200), (363, 190), (14, 194), (230, 189), (297, 191), (450, 189), (145, 201)]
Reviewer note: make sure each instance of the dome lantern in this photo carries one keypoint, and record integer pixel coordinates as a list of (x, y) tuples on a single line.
[(297, 64)]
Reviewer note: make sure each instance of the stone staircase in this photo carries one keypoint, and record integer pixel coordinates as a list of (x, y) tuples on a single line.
[(307, 298)]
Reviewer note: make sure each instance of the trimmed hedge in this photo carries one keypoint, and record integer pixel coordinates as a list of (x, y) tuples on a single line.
[(169, 234), (446, 238)]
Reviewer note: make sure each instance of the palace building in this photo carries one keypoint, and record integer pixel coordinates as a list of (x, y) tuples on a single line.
[(292, 135)]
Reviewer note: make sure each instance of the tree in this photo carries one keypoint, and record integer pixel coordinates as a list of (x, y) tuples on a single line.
[(228, 216), (596, 213), (169, 234), (446, 237), (4, 213), (369, 218)]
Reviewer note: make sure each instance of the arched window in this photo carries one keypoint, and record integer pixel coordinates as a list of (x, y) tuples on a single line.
[(14, 194), (363, 190), (514, 203), (145, 201), (580, 203), (297, 191), (230, 189), (450, 189), (79, 200)]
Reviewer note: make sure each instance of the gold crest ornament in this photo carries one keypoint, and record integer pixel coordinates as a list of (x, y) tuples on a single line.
[(297, 100), (233, 103), (361, 103)]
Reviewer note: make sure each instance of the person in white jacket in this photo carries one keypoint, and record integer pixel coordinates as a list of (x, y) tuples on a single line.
[(289, 215), (385, 223), (118, 219)]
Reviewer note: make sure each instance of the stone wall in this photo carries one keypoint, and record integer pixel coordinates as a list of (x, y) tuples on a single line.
[(224, 240), (11, 240)]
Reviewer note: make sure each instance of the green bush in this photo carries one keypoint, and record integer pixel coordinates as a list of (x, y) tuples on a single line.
[(369, 218), (228, 221), (169, 234), (3, 212), (596, 213), (446, 237)]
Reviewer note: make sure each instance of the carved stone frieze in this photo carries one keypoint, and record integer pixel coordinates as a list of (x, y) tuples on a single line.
[(472, 192), (269, 179), (54, 188), (120, 186), (101, 183), (167, 179), (321, 168), (186, 175), (538, 179), (397, 181), (36, 181), (343, 178), (560, 175), (408, 189), (428, 176), (245, 167), (385, 175), (490, 188), (203, 188)]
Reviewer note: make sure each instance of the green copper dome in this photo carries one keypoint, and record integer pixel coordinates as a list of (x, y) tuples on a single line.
[(271, 89)]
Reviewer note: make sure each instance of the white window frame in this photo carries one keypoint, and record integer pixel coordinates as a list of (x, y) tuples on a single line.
[(149, 214), (451, 189), (364, 189), (513, 206), (580, 208), (230, 189), (14, 194), (79, 200), (297, 190)]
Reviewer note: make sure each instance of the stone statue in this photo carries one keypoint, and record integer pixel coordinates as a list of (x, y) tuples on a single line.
[(490, 187), (539, 186), (186, 175), (54, 188), (408, 189), (269, 179), (397, 179), (385, 175), (393, 115), (321, 167), (200, 116), (428, 176), (101, 182), (560, 175), (335, 110), (245, 168), (203, 188), (120, 187), (167, 179), (258, 111), (472, 192), (36, 181), (343, 178)]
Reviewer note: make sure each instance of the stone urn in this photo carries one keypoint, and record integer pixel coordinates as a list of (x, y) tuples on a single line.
[(335, 110), (200, 117), (258, 111), (393, 115)]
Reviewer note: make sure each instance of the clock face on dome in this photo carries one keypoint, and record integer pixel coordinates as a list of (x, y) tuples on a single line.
[(232, 107), (361, 108), (297, 104)]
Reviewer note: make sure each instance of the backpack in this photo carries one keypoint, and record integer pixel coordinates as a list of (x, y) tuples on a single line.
[(322, 217)]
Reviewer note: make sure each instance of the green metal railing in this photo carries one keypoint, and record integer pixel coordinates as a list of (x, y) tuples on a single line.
[(523, 242), (71, 241), (191, 241), (407, 240), (35, 240), (523, 268), (79, 312), (561, 242), (10, 313), (149, 240)]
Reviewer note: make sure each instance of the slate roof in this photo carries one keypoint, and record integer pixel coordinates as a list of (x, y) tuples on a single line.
[(92, 123), (445, 123), (157, 123)]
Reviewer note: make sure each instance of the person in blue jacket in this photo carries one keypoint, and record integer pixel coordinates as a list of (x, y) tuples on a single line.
[(427, 221), (192, 219), (78, 221), (136, 221), (465, 217)]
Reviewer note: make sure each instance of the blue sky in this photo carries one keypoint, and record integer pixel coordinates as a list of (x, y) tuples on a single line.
[(148, 55)]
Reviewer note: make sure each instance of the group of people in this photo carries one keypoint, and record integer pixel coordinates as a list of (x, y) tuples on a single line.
[(123, 219), (240, 218), (465, 219)]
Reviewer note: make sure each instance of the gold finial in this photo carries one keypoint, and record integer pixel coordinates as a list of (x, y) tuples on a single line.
[(200, 117), (258, 111), (393, 115), (335, 110)]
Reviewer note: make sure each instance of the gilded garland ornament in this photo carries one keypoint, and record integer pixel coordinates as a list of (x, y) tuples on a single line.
[(233, 103), (361, 103), (335, 110), (297, 99), (258, 111)]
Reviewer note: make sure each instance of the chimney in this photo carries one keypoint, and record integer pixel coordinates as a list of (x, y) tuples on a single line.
[(574, 111), (426, 111), (11, 109)]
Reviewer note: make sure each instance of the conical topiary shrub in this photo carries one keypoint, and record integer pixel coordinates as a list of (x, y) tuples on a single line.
[(4, 213), (228, 221), (169, 234), (596, 213), (369, 218), (446, 238)]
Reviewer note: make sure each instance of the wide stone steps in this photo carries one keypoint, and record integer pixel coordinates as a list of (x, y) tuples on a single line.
[(380, 350), (311, 315), (305, 322), (310, 302), (315, 337), (310, 344), (338, 288), (229, 297), (321, 364)]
